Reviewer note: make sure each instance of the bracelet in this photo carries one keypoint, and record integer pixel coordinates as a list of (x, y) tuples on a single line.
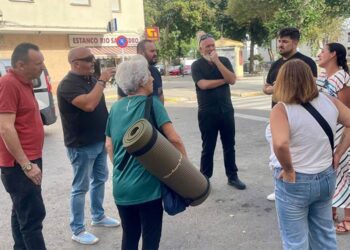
[(102, 83)]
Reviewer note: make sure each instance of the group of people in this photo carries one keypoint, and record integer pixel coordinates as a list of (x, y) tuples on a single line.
[(301, 151), (90, 133), (306, 124)]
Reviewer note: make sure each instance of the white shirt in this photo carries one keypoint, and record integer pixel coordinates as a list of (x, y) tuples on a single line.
[(309, 145)]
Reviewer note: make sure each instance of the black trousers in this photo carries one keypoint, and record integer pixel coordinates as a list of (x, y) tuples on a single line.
[(28, 210), (210, 124), (146, 218)]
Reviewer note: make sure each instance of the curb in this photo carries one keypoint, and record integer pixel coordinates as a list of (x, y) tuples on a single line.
[(168, 99), (247, 94)]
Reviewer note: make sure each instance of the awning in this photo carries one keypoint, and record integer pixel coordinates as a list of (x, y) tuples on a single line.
[(112, 52)]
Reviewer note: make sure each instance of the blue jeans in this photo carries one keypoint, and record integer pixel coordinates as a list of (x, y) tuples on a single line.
[(304, 210), (89, 168)]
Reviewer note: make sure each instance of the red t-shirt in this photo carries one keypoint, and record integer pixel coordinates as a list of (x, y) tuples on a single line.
[(17, 96)]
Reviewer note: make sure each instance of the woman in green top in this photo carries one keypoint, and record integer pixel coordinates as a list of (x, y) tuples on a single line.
[(136, 192)]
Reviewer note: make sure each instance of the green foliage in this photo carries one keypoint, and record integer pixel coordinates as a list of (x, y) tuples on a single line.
[(317, 20), (179, 20)]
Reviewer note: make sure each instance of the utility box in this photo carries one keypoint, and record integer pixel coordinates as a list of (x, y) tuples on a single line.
[(233, 51)]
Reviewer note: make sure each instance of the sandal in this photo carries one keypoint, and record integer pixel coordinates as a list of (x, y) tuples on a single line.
[(343, 227)]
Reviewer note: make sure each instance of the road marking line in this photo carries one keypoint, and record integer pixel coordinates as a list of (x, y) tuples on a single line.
[(252, 117)]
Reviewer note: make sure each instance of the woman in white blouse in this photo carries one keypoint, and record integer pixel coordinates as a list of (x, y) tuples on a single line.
[(305, 180)]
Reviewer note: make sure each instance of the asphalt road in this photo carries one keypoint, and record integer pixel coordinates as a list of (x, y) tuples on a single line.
[(228, 219)]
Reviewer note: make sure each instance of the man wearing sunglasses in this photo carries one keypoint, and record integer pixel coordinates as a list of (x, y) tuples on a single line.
[(84, 116), (213, 76)]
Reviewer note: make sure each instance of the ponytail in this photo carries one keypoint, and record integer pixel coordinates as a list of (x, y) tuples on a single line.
[(345, 66), (340, 51)]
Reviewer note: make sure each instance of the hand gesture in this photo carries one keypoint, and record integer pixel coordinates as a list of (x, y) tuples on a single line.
[(287, 176), (34, 174), (107, 74), (214, 57), (336, 160)]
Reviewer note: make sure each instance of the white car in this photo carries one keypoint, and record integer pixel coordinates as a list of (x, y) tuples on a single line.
[(42, 91)]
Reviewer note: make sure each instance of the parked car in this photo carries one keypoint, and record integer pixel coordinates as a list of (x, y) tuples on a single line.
[(42, 91), (160, 68), (174, 70), (187, 66)]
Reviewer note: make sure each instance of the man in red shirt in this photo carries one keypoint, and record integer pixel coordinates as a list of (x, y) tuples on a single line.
[(21, 144)]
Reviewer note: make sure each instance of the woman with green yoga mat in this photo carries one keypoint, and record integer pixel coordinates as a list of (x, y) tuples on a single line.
[(136, 192)]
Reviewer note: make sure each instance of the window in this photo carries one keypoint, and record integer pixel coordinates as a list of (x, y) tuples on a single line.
[(80, 2), (116, 5)]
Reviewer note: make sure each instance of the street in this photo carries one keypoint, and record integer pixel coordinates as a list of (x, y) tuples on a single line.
[(228, 219)]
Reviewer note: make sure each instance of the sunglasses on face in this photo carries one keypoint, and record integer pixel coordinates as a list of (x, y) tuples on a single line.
[(205, 36), (86, 59)]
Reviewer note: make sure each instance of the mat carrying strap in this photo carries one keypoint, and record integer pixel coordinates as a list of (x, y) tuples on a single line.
[(323, 123), (147, 116)]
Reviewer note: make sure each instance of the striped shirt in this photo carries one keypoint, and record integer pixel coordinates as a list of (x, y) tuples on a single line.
[(333, 84)]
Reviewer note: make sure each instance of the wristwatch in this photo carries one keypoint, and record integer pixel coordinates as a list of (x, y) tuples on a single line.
[(27, 167)]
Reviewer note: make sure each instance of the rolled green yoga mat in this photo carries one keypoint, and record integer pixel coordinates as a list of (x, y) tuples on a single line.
[(165, 162)]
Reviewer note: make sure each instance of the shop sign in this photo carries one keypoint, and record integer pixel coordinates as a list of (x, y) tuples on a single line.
[(152, 33), (107, 40)]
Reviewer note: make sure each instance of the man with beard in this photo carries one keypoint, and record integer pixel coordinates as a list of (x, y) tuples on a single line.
[(147, 48), (213, 76), (84, 116), (21, 145), (288, 39)]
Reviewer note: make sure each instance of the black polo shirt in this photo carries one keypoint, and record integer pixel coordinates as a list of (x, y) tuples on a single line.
[(80, 128), (275, 67), (157, 83), (216, 99)]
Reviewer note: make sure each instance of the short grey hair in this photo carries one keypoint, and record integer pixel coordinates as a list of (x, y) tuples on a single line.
[(132, 74)]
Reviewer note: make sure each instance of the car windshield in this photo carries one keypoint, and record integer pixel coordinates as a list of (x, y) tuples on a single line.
[(36, 82)]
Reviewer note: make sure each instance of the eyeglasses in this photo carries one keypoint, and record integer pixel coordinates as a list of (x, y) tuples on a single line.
[(205, 36), (90, 58)]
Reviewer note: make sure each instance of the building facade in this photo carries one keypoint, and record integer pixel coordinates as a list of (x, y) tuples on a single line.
[(56, 26)]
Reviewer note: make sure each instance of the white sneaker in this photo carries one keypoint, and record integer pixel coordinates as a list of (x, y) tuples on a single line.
[(271, 197), (85, 238), (106, 222)]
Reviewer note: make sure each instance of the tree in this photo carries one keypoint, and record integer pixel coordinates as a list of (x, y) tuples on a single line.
[(178, 22), (224, 23), (317, 20), (252, 15)]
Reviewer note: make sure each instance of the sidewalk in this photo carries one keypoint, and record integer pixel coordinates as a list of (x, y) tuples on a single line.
[(177, 88)]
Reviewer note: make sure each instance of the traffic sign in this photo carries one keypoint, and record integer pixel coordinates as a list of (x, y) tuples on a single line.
[(121, 41), (112, 25), (152, 33)]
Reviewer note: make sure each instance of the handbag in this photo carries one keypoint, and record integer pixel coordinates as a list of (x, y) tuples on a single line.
[(323, 123), (173, 203)]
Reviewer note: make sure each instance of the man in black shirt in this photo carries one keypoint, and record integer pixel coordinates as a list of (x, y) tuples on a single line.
[(84, 116), (212, 76), (147, 48), (288, 40)]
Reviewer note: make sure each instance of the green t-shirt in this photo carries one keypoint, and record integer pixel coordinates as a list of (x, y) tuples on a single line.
[(133, 185)]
